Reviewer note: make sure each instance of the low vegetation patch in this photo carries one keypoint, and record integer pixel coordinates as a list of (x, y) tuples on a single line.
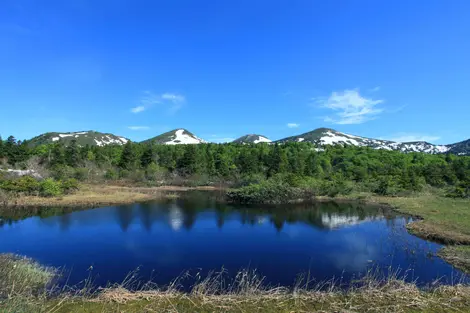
[(20, 276), (459, 256)]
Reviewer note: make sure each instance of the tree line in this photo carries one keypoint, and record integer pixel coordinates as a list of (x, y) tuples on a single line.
[(382, 171)]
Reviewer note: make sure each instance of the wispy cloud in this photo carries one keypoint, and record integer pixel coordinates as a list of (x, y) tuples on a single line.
[(350, 107), (173, 102), (138, 127), (138, 109), (405, 137), (375, 89), (293, 125), (220, 139)]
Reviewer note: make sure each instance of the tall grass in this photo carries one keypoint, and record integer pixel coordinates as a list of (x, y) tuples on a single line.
[(27, 287)]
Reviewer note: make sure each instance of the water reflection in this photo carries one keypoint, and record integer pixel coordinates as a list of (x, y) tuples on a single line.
[(183, 213)]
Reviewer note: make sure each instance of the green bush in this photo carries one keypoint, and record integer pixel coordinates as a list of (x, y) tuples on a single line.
[(123, 173), (24, 184), (70, 185), (51, 188), (111, 174), (270, 191), (81, 174), (460, 191), (59, 172)]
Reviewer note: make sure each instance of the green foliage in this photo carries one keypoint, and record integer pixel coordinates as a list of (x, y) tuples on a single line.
[(81, 174), (111, 174), (25, 184), (128, 156), (51, 188), (270, 191), (61, 171), (69, 185)]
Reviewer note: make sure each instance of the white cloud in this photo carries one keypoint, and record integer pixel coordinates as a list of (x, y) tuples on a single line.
[(138, 109), (375, 89), (138, 127), (172, 101), (350, 107), (220, 139), (293, 125), (173, 97), (403, 137)]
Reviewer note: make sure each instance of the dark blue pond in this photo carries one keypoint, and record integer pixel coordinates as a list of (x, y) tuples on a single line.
[(166, 238)]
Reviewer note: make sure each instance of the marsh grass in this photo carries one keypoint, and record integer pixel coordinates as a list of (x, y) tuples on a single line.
[(28, 289), (23, 276)]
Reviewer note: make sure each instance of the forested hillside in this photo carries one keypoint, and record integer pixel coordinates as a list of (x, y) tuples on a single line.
[(344, 168)]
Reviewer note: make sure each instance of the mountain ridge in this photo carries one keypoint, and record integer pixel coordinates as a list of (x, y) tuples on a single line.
[(83, 138), (320, 137)]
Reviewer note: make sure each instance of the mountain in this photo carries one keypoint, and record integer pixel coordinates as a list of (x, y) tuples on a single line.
[(460, 148), (252, 138), (175, 137), (327, 136), (83, 138)]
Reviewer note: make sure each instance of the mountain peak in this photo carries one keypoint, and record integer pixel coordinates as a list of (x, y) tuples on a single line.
[(252, 138), (176, 137)]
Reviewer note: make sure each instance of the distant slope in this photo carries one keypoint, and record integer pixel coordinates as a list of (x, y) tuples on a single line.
[(83, 138), (327, 136), (175, 137), (460, 148), (252, 138)]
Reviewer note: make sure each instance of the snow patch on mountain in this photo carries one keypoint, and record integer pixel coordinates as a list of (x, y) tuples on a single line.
[(181, 138), (262, 139), (108, 140)]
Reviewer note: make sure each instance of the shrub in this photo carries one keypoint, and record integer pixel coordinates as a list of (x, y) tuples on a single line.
[(111, 174), (460, 191), (70, 185), (123, 173), (81, 174), (60, 172), (25, 184), (51, 188), (270, 191)]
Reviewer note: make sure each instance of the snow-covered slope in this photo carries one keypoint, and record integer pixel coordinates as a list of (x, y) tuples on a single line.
[(252, 138), (82, 138), (326, 136), (176, 137)]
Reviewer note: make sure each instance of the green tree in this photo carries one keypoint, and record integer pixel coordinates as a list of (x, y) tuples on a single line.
[(72, 154), (128, 157), (147, 157)]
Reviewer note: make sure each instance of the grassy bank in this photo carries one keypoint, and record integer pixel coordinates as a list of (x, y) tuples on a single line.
[(23, 289)]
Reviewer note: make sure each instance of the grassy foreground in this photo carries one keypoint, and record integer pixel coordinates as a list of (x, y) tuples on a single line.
[(24, 289)]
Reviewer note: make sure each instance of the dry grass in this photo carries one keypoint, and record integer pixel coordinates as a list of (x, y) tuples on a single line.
[(215, 293), (100, 195), (459, 256), (247, 293)]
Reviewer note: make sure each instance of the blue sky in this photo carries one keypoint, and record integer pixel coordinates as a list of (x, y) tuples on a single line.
[(386, 69)]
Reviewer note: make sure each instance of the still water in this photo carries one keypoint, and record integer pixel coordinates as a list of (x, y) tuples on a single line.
[(168, 237)]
